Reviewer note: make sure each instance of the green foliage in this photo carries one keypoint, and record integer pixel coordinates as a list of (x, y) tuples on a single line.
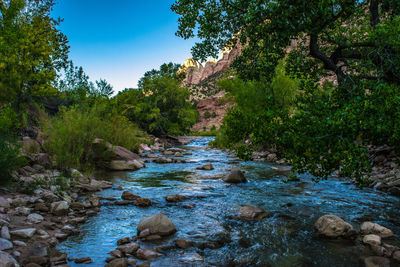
[(32, 50), (9, 121), (207, 114), (9, 159), (170, 70), (161, 106), (71, 134)]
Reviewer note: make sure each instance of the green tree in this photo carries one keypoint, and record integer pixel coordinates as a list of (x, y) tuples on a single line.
[(32, 50)]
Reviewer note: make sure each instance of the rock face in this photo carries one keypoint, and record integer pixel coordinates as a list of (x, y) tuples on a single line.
[(376, 229), (251, 213), (157, 224), (332, 226), (236, 176)]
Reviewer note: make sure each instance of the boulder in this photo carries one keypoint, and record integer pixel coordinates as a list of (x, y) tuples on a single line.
[(125, 165), (121, 262), (236, 176), (206, 167), (5, 244), (147, 254), (251, 213), (24, 233), (35, 218), (157, 224), (175, 198), (332, 226), (59, 208), (7, 261), (376, 229), (127, 195), (376, 261), (372, 240)]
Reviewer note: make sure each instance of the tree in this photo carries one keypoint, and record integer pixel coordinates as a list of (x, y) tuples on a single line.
[(166, 70), (32, 50), (346, 37)]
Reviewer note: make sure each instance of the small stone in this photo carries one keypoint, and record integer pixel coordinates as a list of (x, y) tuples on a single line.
[(85, 260), (252, 213), (23, 210), (35, 218), (175, 198), (4, 203), (41, 207), (181, 243), (5, 233), (24, 233), (191, 257), (142, 202), (206, 167), (130, 248), (116, 253), (144, 264), (121, 262), (5, 244), (59, 208), (19, 243)]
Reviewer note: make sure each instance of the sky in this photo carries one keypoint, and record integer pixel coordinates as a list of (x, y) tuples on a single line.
[(120, 40)]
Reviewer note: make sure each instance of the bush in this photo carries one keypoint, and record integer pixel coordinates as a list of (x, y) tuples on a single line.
[(207, 114), (71, 133), (9, 160)]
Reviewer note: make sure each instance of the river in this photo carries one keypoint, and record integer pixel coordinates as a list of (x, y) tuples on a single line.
[(284, 239)]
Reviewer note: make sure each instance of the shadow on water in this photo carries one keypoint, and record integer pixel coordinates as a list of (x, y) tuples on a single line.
[(284, 239)]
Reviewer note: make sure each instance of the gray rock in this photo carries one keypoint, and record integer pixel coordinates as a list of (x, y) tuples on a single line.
[(158, 224), (130, 248), (5, 244), (236, 176), (191, 257), (376, 229), (5, 233), (332, 226), (35, 218), (24, 233), (23, 210), (59, 208), (6, 260), (19, 243)]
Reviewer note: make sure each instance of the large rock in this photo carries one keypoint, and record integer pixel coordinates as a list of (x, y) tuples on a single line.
[(5, 244), (157, 224), (7, 261), (236, 176), (376, 261), (376, 229), (59, 208), (125, 165), (251, 213), (332, 226), (24, 233)]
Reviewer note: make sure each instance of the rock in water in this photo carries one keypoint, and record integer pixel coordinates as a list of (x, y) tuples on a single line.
[(147, 254), (175, 198), (157, 224), (127, 195), (117, 263), (206, 167), (236, 176), (251, 213), (332, 226), (376, 229)]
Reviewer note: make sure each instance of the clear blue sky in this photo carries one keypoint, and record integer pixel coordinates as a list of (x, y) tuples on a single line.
[(120, 40)]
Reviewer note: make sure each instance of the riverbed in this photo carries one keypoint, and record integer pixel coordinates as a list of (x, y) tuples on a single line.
[(284, 239)]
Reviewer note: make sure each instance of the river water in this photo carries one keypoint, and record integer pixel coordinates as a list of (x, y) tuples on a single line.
[(284, 239)]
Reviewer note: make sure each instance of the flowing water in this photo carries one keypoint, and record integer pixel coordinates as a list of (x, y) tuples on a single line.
[(284, 239)]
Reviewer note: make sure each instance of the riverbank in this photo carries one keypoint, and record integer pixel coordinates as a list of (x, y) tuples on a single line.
[(202, 208)]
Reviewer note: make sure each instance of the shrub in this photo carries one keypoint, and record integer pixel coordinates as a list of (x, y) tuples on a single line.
[(207, 114), (71, 133), (9, 160)]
